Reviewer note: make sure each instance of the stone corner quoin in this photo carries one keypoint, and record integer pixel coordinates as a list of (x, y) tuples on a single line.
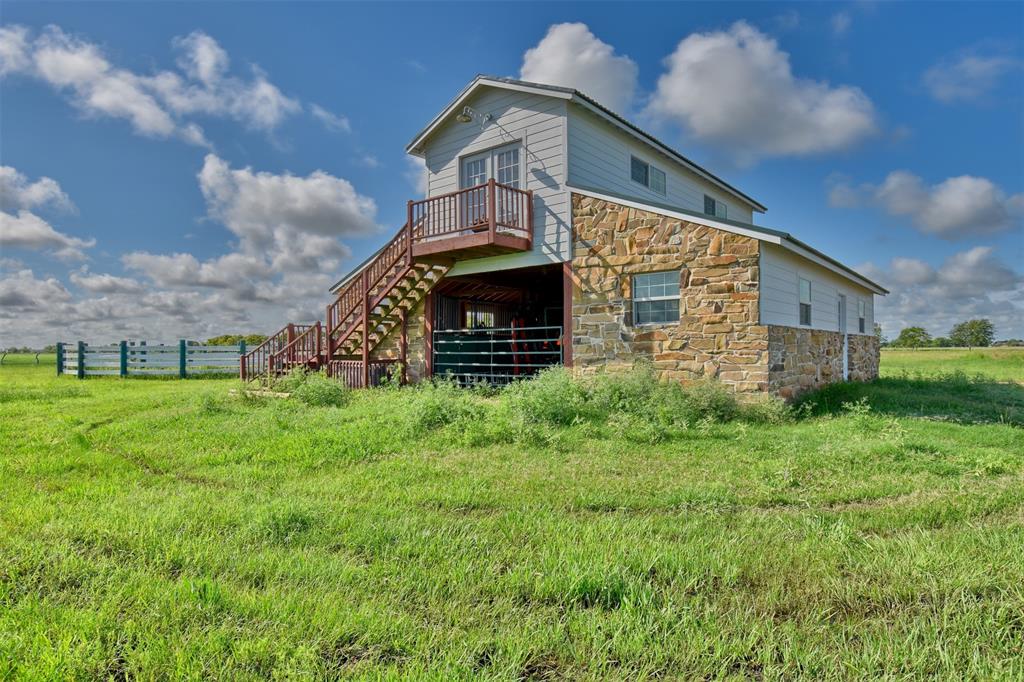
[(719, 334)]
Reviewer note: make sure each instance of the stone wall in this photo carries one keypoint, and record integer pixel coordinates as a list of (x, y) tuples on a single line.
[(717, 334), (802, 359), (863, 354)]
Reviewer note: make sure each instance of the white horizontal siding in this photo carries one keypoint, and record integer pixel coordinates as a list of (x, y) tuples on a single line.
[(781, 271), (599, 158), (539, 124)]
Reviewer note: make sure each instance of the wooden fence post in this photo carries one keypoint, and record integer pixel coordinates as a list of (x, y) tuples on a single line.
[(81, 360), (60, 358), (123, 369), (181, 358)]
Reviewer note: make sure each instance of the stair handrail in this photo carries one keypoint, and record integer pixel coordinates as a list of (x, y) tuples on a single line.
[(253, 365), (304, 347)]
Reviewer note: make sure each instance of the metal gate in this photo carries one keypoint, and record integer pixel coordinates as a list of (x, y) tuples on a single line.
[(496, 355)]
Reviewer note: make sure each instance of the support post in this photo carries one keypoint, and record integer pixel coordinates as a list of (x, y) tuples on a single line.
[(60, 358), (428, 331), (330, 342), (290, 336), (182, 358), (366, 328), (403, 343), (81, 360), (123, 364), (241, 359), (408, 232), (492, 223), (567, 313)]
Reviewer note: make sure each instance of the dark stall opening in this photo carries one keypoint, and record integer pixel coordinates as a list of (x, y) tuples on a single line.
[(497, 327)]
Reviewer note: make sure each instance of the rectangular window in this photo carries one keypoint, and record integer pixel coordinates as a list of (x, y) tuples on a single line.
[(656, 298), (657, 180), (647, 175), (805, 302), (862, 315), (714, 207), (639, 170)]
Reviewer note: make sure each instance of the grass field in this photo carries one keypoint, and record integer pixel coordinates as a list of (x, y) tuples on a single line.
[(163, 530), (1004, 364)]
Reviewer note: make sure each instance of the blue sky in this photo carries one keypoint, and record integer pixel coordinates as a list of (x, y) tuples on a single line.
[(904, 156)]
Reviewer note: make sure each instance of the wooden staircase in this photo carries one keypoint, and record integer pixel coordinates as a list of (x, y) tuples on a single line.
[(374, 301), (485, 220)]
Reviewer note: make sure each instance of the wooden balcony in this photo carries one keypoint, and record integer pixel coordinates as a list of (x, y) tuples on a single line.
[(486, 220)]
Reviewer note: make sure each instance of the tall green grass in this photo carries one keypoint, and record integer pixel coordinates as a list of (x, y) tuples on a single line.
[(617, 529)]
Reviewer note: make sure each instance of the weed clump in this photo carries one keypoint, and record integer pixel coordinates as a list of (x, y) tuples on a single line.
[(319, 391)]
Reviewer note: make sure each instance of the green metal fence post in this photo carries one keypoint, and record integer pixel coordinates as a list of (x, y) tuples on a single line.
[(60, 358), (181, 358), (124, 359), (241, 359), (81, 360)]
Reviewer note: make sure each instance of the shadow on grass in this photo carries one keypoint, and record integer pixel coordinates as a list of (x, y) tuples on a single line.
[(953, 397)]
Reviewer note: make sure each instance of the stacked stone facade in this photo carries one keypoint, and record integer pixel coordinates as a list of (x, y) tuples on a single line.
[(717, 334), (864, 355)]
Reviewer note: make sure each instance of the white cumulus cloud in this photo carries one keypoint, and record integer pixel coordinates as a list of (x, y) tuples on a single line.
[(157, 104), (571, 56), (968, 77), (956, 208), (736, 89), (21, 228), (969, 284)]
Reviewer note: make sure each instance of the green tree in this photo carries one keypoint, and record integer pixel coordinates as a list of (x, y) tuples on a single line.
[(912, 337), (973, 333), (880, 336)]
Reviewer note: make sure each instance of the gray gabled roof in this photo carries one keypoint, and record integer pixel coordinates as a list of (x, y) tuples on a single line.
[(575, 95)]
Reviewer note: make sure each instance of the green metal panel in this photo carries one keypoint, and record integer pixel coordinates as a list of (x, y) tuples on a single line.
[(182, 354), (60, 358), (124, 358), (81, 360)]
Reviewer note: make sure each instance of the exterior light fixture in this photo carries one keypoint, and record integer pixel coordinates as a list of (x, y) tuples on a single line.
[(468, 114)]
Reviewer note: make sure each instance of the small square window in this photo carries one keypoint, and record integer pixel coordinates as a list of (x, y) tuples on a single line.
[(714, 207)]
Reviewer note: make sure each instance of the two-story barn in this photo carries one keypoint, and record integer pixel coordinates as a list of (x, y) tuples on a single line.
[(556, 232)]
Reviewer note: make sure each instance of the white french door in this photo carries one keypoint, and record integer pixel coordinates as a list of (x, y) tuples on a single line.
[(502, 164)]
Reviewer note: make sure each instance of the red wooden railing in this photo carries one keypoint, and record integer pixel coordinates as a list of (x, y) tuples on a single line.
[(256, 363), (500, 209), (350, 372), (304, 349), (367, 289)]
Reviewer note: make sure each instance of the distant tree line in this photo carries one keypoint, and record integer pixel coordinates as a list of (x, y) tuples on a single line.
[(52, 348), (967, 334), (235, 339)]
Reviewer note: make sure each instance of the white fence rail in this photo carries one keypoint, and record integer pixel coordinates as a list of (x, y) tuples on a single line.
[(125, 359)]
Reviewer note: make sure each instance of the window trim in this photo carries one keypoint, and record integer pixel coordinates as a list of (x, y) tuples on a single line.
[(634, 299), (650, 167)]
